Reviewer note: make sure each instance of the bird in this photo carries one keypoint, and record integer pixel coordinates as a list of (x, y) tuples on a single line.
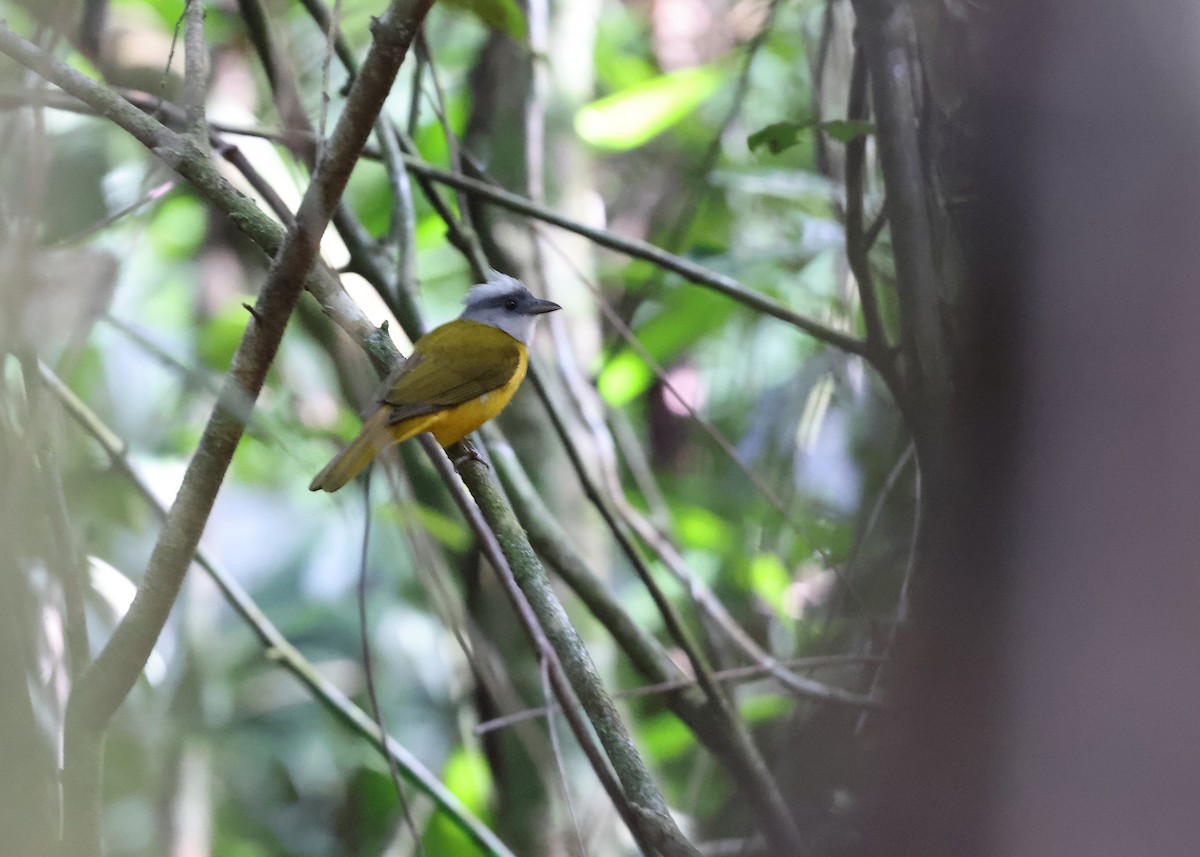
[(458, 377)]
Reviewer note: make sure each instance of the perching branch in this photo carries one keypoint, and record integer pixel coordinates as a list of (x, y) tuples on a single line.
[(210, 186), (652, 820)]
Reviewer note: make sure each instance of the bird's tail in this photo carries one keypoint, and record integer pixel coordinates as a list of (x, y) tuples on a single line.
[(350, 461)]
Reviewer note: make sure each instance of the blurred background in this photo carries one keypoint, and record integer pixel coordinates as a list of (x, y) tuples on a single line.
[(742, 418)]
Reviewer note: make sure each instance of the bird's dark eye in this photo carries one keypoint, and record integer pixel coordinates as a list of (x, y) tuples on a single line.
[(510, 304)]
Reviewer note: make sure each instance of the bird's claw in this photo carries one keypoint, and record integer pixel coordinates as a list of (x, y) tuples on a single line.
[(470, 453)]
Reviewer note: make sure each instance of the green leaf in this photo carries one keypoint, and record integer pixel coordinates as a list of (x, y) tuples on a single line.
[(778, 136), (370, 193), (466, 775), (768, 579), (504, 16), (845, 130), (761, 709), (781, 136), (665, 737), (179, 227), (686, 317), (624, 378), (700, 528), (638, 114), (220, 337)]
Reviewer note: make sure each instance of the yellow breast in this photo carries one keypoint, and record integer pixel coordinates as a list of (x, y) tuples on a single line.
[(452, 425)]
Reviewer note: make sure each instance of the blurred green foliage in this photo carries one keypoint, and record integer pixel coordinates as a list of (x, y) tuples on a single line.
[(224, 733)]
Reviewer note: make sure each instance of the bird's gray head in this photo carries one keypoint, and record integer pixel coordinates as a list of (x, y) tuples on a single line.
[(504, 302)]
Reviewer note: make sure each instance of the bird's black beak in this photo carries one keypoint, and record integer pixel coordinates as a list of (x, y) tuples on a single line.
[(540, 306)]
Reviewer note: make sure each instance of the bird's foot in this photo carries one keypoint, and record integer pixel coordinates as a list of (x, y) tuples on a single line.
[(469, 453)]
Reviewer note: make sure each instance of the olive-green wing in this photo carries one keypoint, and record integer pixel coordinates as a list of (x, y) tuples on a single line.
[(451, 365)]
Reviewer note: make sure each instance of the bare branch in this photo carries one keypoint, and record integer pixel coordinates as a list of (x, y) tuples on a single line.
[(195, 74)]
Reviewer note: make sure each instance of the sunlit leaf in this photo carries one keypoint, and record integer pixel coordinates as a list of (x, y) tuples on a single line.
[(759, 709), (625, 378), (450, 532), (179, 226), (768, 579), (665, 737), (466, 775), (370, 193), (633, 116), (700, 528), (687, 315), (219, 338)]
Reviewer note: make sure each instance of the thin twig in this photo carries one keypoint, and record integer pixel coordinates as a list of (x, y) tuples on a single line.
[(319, 12), (670, 617), (368, 667), (402, 231), (876, 510), (153, 195), (697, 186), (326, 64), (439, 109), (701, 595), (66, 559), (299, 135), (902, 606), (559, 761), (733, 674)]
